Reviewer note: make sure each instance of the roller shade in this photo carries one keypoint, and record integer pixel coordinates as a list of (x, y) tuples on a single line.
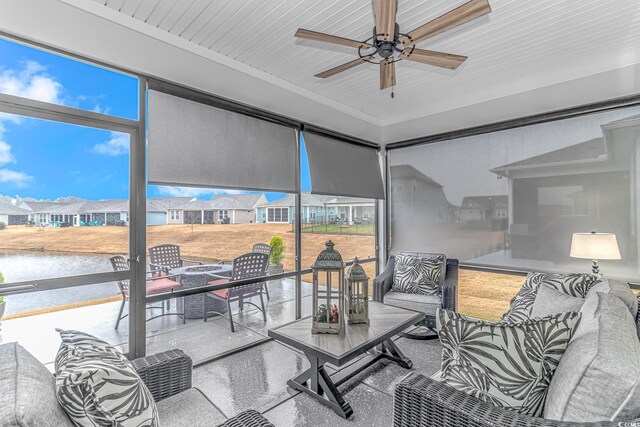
[(197, 145), (341, 169)]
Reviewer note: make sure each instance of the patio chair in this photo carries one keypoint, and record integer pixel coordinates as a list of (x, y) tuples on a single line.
[(246, 266), (263, 248), (163, 258), (155, 285), (447, 296)]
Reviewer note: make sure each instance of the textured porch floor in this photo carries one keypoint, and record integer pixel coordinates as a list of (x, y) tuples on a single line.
[(253, 378)]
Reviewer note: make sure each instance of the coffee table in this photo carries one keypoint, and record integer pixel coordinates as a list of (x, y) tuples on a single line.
[(385, 321)]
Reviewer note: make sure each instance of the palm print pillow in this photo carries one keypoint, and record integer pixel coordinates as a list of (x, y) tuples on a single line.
[(638, 317), (507, 365), (97, 385), (418, 274), (574, 284)]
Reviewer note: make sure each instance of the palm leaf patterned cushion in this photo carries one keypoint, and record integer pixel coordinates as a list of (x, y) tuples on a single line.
[(575, 285), (638, 317), (98, 386), (418, 274), (507, 365)]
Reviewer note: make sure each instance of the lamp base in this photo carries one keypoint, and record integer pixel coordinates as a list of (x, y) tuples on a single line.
[(595, 269)]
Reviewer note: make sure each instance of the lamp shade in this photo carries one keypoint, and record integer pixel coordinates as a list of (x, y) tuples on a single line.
[(595, 246)]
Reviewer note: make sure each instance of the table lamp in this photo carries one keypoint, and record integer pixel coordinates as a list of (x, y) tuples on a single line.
[(595, 246)]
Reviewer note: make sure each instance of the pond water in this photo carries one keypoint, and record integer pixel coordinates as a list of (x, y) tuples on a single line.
[(17, 266)]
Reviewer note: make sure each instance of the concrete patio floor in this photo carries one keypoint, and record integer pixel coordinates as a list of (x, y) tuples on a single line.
[(255, 377)]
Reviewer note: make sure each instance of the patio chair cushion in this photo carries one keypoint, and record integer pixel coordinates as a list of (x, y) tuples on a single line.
[(157, 286), (549, 301), (507, 365), (97, 385), (427, 304), (574, 284), (419, 273), (598, 378), (189, 409), (28, 391)]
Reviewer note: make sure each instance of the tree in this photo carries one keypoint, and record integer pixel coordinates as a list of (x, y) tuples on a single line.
[(277, 250), (2, 225), (192, 217)]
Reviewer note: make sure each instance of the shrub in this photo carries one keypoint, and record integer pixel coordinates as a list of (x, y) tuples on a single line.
[(277, 250), (2, 225)]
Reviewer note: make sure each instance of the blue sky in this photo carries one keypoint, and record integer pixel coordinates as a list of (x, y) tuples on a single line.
[(47, 160)]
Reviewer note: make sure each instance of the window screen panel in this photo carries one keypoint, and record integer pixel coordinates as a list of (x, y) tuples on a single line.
[(196, 145), (513, 199), (341, 169)]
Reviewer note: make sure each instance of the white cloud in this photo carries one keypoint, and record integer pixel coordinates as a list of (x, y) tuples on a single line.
[(31, 82), (15, 178), (5, 152), (117, 145), (193, 192), (101, 109)]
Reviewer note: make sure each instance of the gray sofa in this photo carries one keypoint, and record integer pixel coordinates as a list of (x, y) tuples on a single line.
[(27, 397), (423, 401)]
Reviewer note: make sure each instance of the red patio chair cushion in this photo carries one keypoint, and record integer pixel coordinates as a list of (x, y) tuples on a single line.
[(222, 293), (158, 286)]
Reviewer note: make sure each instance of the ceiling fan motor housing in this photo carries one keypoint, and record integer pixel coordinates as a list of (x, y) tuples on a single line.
[(386, 48)]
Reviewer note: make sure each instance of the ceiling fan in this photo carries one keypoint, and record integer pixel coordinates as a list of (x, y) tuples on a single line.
[(388, 45)]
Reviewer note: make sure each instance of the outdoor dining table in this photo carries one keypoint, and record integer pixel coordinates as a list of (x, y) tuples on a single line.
[(198, 276)]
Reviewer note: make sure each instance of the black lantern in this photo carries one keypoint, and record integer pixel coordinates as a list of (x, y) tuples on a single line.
[(328, 315)]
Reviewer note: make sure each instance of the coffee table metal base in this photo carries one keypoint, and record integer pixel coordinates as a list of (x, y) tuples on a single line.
[(317, 383)]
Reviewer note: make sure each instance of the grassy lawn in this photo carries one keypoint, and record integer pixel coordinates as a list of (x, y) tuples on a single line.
[(364, 229), (482, 295)]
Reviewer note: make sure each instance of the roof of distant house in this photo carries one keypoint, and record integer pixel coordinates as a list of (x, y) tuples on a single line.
[(9, 209), (487, 203), (593, 150), (161, 204), (237, 201), (408, 171)]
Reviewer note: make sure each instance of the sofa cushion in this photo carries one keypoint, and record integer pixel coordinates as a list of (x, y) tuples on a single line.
[(574, 284), (620, 290), (27, 396), (598, 378), (97, 385), (550, 301), (507, 365), (189, 409), (419, 273), (427, 304)]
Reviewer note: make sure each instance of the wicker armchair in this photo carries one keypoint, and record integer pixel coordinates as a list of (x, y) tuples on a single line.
[(424, 402), (448, 298), (169, 373)]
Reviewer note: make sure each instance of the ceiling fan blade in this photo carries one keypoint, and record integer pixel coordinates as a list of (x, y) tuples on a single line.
[(387, 74), (431, 57), (469, 11), (322, 37), (385, 12), (344, 67)]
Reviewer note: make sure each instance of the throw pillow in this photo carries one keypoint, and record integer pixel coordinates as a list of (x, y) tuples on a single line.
[(507, 365), (638, 317), (575, 285), (418, 274), (549, 301), (598, 378), (97, 385)]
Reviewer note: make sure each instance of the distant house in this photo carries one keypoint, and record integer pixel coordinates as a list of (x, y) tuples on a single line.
[(166, 210), (13, 215), (492, 210), (234, 208), (417, 198), (317, 209), (578, 188)]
